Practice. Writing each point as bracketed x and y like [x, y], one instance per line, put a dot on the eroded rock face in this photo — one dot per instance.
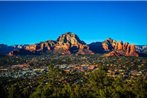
[108, 44]
[31, 47]
[71, 43]
[105, 47]
[131, 51]
[69, 38]
[119, 48]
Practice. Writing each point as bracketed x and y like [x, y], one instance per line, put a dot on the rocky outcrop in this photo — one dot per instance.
[69, 43]
[114, 53]
[119, 48]
[43, 46]
[131, 51]
[31, 47]
[113, 48]
[107, 45]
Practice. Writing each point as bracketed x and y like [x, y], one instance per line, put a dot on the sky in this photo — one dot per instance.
[33, 22]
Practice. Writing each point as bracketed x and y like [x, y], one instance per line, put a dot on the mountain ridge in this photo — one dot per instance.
[70, 43]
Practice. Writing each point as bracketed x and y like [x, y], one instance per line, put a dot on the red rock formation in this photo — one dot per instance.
[31, 47]
[105, 47]
[67, 43]
[113, 53]
[119, 48]
[131, 51]
[71, 43]
[47, 46]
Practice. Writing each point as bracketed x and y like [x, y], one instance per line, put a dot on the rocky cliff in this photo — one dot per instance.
[114, 48]
[43, 46]
[69, 43]
[119, 48]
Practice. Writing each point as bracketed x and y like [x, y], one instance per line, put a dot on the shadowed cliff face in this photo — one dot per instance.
[4, 49]
[97, 47]
[70, 43]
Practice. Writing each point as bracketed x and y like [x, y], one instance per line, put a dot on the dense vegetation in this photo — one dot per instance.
[91, 84]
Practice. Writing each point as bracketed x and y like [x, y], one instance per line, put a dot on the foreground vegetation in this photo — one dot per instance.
[96, 83]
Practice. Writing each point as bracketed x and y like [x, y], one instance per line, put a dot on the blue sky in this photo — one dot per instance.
[32, 22]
